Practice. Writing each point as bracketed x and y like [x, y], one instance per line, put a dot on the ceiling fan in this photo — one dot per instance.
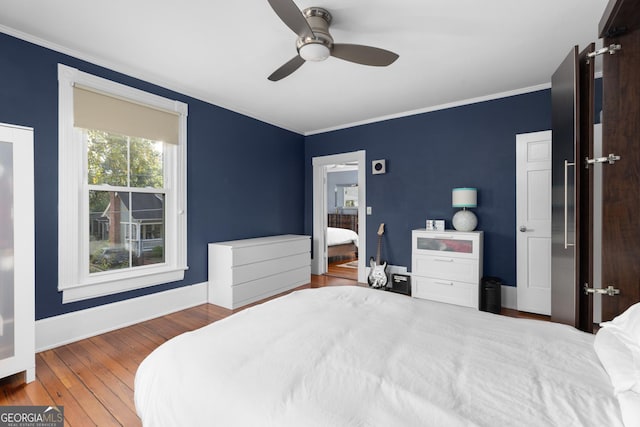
[316, 44]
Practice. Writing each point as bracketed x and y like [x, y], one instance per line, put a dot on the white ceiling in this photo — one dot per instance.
[222, 51]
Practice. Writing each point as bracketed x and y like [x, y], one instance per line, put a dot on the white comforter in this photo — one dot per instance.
[352, 356]
[340, 236]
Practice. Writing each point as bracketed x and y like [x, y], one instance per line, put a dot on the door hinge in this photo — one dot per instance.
[609, 290]
[611, 49]
[611, 159]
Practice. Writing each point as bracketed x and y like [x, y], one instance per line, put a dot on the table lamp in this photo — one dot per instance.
[464, 198]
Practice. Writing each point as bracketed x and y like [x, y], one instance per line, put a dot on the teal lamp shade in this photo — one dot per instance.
[464, 198]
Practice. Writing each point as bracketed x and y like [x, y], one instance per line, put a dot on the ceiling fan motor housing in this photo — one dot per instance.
[317, 48]
[314, 42]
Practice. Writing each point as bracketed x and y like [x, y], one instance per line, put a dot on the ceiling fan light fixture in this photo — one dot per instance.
[315, 43]
[314, 52]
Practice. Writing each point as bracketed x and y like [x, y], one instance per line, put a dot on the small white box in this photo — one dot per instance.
[435, 225]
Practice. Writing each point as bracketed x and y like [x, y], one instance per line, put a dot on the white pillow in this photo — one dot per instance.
[627, 323]
[620, 358]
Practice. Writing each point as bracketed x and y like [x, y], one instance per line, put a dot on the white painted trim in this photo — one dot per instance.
[74, 279]
[434, 108]
[66, 328]
[509, 297]
[318, 262]
[318, 238]
[121, 283]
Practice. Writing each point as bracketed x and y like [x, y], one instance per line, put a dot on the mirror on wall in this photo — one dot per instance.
[350, 197]
[346, 196]
[342, 189]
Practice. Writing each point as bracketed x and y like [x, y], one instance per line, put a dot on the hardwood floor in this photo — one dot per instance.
[522, 314]
[337, 269]
[93, 378]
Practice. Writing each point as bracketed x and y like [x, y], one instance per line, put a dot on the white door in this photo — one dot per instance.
[533, 221]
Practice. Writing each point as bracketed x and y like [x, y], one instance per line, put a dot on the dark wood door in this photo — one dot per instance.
[565, 117]
[621, 136]
[585, 189]
[572, 88]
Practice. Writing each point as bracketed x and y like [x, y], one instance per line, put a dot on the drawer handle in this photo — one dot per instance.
[443, 283]
[443, 259]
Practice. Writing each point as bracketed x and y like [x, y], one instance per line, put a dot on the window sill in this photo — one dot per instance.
[113, 285]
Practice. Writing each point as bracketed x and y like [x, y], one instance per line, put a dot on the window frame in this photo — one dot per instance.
[74, 280]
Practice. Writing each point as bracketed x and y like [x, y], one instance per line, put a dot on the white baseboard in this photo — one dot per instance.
[509, 297]
[66, 328]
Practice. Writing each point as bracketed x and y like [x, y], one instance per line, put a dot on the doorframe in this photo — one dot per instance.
[319, 260]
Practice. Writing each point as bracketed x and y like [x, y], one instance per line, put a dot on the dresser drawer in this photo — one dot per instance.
[448, 291]
[450, 244]
[248, 292]
[270, 250]
[445, 267]
[248, 272]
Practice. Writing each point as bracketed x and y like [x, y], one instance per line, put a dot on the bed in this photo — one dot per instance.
[341, 243]
[354, 356]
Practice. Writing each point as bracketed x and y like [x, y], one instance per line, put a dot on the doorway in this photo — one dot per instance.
[533, 187]
[339, 200]
[342, 220]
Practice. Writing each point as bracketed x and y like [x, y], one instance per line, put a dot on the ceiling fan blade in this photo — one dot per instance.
[288, 68]
[365, 55]
[292, 17]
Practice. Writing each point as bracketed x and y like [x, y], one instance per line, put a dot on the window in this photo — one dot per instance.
[122, 187]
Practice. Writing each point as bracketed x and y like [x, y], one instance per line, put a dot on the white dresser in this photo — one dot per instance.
[446, 266]
[245, 271]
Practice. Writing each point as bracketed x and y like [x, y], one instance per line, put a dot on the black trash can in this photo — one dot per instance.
[491, 294]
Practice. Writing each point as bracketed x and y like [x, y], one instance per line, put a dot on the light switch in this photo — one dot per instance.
[368, 210]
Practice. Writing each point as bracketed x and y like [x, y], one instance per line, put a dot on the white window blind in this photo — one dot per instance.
[95, 110]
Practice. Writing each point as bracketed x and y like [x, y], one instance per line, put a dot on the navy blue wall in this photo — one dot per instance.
[233, 192]
[430, 154]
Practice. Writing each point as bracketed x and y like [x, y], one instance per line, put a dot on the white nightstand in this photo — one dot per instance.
[446, 266]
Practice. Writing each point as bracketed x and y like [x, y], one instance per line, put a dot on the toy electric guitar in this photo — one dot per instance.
[378, 275]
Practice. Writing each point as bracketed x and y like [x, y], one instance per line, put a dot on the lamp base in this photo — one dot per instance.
[464, 220]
